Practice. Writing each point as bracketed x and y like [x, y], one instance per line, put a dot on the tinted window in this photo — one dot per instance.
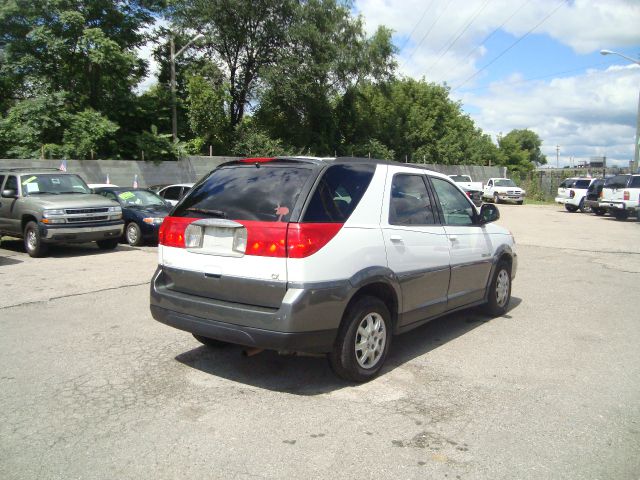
[582, 184]
[1, 180]
[566, 183]
[619, 181]
[12, 183]
[338, 193]
[410, 203]
[635, 182]
[456, 208]
[109, 195]
[266, 193]
[172, 193]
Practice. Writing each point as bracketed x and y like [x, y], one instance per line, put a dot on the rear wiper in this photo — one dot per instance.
[39, 193]
[213, 213]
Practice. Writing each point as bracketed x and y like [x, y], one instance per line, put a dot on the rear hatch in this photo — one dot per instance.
[227, 239]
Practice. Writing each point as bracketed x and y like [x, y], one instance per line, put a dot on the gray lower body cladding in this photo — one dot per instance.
[84, 233]
[306, 320]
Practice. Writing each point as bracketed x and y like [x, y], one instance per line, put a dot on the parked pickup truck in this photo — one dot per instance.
[503, 190]
[473, 189]
[621, 196]
[49, 206]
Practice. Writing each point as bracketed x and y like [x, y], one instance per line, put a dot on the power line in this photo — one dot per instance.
[563, 2]
[416, 25]
[426, 34]
[464, 29]
[525, 3]
[525, 80]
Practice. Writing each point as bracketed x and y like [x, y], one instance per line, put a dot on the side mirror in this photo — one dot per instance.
[9, 193]
[488, 213]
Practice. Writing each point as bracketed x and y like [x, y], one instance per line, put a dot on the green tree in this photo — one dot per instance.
[206, 101]
[88, 134]
[330, 54]
[529, 142]
[246, 36]
[513, 156]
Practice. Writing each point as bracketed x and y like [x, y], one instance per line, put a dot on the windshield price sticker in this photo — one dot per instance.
[126, 195]
[30, 179]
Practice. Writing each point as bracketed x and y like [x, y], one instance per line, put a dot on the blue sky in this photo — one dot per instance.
[553, 80]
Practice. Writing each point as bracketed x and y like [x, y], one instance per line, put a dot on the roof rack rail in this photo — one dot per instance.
[26, 169]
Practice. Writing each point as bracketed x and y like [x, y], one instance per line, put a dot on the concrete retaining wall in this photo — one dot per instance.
[190, 169]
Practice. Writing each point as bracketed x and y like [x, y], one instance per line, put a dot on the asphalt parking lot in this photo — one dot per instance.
[91, 387]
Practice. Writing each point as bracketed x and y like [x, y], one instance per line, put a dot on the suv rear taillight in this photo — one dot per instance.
[572, 193]
[305, 239]
[172, 231]
[625, 195]
[293, 240]
[601, 194]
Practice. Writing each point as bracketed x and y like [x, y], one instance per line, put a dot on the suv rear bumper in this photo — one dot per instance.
[81, 233]
[618, 205]
[282, 328]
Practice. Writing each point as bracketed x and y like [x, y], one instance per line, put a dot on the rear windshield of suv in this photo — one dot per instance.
[635, 182]
[266, 193]
[619, 181]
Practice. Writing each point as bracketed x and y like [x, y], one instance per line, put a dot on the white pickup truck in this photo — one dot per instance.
[472, 189]
[621, 196]
[503, 190]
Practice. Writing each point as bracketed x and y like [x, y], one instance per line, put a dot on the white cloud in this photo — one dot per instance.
[592, 114]
[584, 25]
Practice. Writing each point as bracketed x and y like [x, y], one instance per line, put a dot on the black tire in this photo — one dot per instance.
[133, 234]
[570, 208]
[346, 359]
[520, 202]
[209, 342]
[584, 208]
[108, 244]
[496, 199]
[620, 214]
[498, 300]
[599, 211]
[33, 243]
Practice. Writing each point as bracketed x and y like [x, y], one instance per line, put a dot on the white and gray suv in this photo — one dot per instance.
[328, 256]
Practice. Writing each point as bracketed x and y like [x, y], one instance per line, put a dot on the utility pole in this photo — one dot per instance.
[557, 156]
[172, 60]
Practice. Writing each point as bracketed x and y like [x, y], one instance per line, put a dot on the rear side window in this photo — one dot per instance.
[338, 193]
[410, 203]
[12, 183]
[635, 182]
[172, 193]
[1, 180]
[266, 193]
[582, 184]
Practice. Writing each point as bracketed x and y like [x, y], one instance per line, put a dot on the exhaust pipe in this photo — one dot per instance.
[250, 352]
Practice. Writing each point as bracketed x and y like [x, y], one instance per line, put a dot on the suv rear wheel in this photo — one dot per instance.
[33, 241]
[620, 214]
[570, 208]
[363, 340]
[584, 208]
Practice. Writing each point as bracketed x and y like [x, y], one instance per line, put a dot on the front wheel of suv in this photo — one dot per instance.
[499, 290]
[363, 340]
[33, 243]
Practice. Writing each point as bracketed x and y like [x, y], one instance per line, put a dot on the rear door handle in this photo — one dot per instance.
[395, 238]
[453, 238]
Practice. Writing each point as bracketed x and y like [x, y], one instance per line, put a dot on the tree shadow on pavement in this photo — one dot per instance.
[311, 375]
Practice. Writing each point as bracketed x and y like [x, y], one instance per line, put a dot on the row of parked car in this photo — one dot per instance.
[618, 195]
[48, 206]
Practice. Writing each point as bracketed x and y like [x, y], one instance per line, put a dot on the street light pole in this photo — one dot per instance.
[172, 59]
[636, 153]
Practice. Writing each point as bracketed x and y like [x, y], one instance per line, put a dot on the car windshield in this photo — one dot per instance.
[460, 178]
[139, 198]
[505, 182]
[53, 183]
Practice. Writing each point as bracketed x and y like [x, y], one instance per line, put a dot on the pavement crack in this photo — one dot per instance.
[35, 302]
[585, 250]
